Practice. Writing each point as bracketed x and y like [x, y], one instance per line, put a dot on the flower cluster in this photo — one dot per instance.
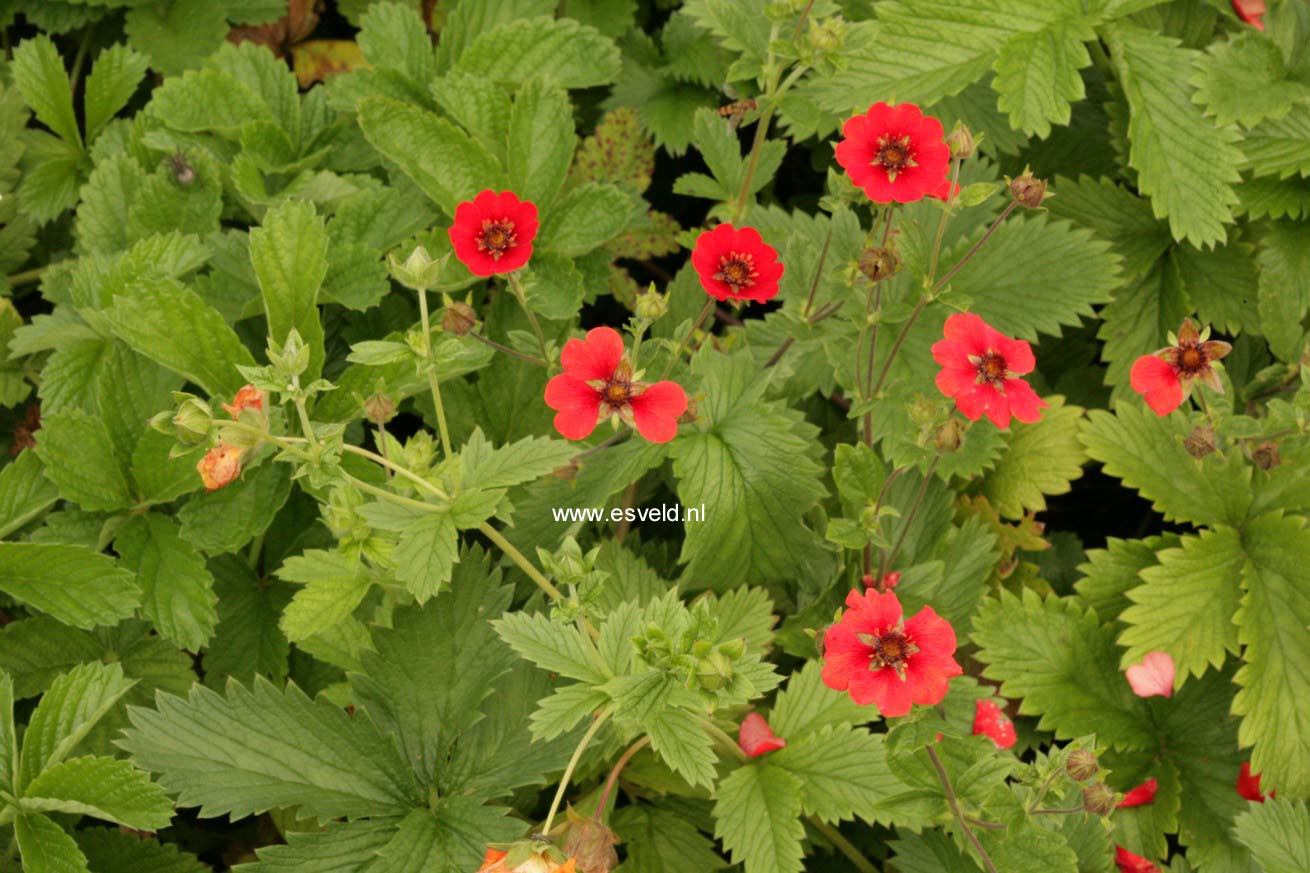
[223, 463]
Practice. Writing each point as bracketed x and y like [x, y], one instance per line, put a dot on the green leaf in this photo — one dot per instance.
[426, 554]
[843, 773]
[178, 36]
[1111, 572]
[1184, 162]
[1278, 834]
[1284, 285]
[341, 847]
[1275, 680]
[658, 840]
[1245, 80]
[1116, 215]
[1041, 459]
[757, 816]
[394, 37]
[113, 80]
[169, 323]
[541, 140]
[25, 492]
[290, 256]
[681, 742]
[227, 519]
[107, 788]
[334, 585]
[46, 847]
[552, 646]
[1064, 667]
[8, 736]
[110, 850]
[467, 21]
[177, 589]
[79, 458]
[39, 73]
[247, 639]
[441, 159]
[562, 50]
[256, 749]
[1278, 146]
[1187, 604]
[1036, 275]
[807, 705]
[1146, 451]
[207, 101]
[929, 852]
[67, 713]
[484, 466]
[1037, 76]
[1030, 848]
[587, 217]
[73, 584]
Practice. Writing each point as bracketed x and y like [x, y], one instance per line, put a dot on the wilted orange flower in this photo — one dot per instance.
[495, 862]
[249, 397]
[220, 465]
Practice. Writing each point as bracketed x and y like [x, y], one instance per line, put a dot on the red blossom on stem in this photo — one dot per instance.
[1142, 795]
[756, 738]
[598, 382]
[981, 368]
[493, 232]
[1248, 784]
[879, 657]
[1165, 378]
[1251, 11]
[990, 721]
[1130, 863]
[736, 264]
[1153, 676]
[896, 154]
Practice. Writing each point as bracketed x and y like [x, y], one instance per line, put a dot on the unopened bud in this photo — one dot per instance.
[652, 305]
[1099, 799]
[961, 141]
[734, 648]
[950, 436]
[1028, 190]
[459, 319]
[1266, 456]
[827, 36]
[879, 263]
[591, 845]
[1200, 442]
[714, 672]
[1082, 765]
[418, 272]
[379, 408]
[190, 424]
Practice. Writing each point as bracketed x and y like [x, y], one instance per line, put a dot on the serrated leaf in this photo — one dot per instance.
[441, 159]
[1041, 459]
[1064, 667]
[247, 639]
[79, 457]
[110, 850]
[226, 519]
[290, 256]
[1116, 215]
[680, 741]
[67, 713]
[106, 788]
[1245, 80]
[1280, 146]
[562, 50]
[557, 648]
[73, 584]
[39, 73]
[1278, 834]
[757, 816]
[1185, 163]
[177, 37]
[25, 492]
[1187, 602]
[255, 749]
[1110, 573]
[541, 140]
[843, 773]
[113, 80]
[1284, 285]
[341, 847]
[177, 590]
[658, 840]
[1275, 679]
[1037, 76]
[587, 217]
[807, 705]
[334, 584]
[426, 554]
[46, 847]
[393, 36]
[207, 100]
[485, 466]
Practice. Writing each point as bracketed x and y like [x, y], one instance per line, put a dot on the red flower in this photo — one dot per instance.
[220, 465]
[597, 383]
[1248, 784]
[1141, 795]
[989, 721]
[1153, 676]
[249, 397]
[895, 153]
[493, 232]
[880, 658]
[981, 368]
[736, 264]
[1130, 863]
[1251, 11]
[1165, 377]
[756, 737]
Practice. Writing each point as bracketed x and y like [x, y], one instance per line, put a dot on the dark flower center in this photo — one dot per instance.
[497, 237]
[737, 270]
[891, 648]
[894, 155]
[1191, 359]
[992, 368]
[616, 392]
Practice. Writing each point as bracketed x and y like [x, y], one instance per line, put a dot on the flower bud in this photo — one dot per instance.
[950, 436]
[190, 424]
[1266, 456]
[379, 408]
[1200, 442]
[714, 672]
[961, 141]
[879, 263]
[459, 319]
[1099, 799]
[591, 845]
[1082, 765]
[733, 649]
[1028, 190]
[418, 272]
[652, 305]
[826, 36]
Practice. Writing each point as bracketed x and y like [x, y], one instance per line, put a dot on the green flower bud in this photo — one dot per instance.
[418, 272]
[714, 672]
[1082, 765]
[1099, 799]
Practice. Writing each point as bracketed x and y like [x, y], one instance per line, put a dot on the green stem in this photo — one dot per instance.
[945, 219]
[256, 546]
[434, 384]
[845, 846]
[722, 736]
[941, 283]
[700, 319]
[306, 425]
[522, 297]
[613, 779]
[514, 353]
[23, 278]
[1072, 811]
[596, 724]
[953, 802]
[896, 346]
[523, 563]
[391, 496]
[886, 562]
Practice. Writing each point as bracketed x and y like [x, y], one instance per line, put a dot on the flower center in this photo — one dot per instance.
[891, 648]
[737, 270]
[497, 237]
[1191, 359]
[616, 392]
[991, 367]
[894, 155]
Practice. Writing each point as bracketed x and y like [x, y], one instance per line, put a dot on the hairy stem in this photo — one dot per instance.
[522, 296]
[596, 724]
[434, 384]
[613, 779]
[941, 283]
[514, 353]
[700, 319]
[954, 803]
[523, 563]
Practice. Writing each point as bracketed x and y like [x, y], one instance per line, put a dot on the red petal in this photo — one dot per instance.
[893, 696]
[578, 405]
[990, 721]
[1141, 795]
[1153, 676]
[1154, 379]
[1248, 785]
[1023, 400]
[655, 411]
[756, 737]
[595, 357]
[871, 611]
[1018, 355]
[1130, 863]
